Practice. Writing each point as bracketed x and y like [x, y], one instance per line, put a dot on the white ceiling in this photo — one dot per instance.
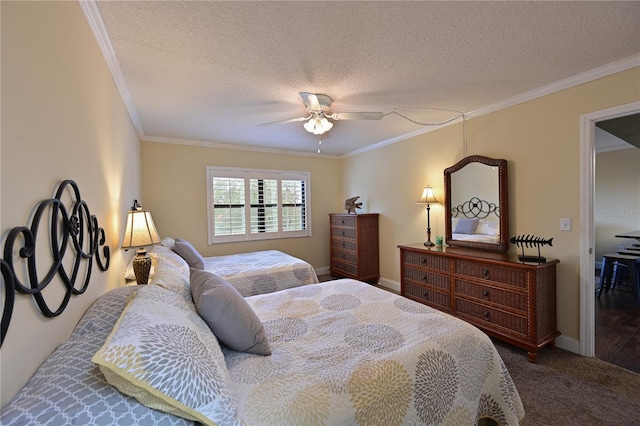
[210, 72]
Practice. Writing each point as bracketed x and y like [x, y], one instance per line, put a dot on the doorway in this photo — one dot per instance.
[587, 189]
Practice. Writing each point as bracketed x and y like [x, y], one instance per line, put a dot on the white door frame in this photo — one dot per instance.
[587, 225]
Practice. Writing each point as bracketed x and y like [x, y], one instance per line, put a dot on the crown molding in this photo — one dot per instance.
[594, 74]
[585, 77]
[92, 15]
[237, 147]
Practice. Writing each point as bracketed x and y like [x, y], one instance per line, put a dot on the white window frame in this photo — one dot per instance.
[247, 174]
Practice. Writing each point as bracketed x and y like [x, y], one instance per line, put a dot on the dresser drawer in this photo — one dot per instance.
[423, 260]
[505, 298]
[345, 256]
[349, 233]
[342, 244]
[338, 266]
[345, 221]
[500, 274]
[487, 315]
[426, 277]
[427, 295]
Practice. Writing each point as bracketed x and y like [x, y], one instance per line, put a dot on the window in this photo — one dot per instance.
[250, 204]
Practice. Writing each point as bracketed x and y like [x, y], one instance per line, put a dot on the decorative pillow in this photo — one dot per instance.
[188, 253]
[164, 355]
[227, 313]
[129, 274]
[466, 226]
[487, 227]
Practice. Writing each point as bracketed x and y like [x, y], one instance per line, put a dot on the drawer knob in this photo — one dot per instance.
[485, 293]
[485, 273]
[486, 314]
[425, 295]
[344, 245]
[424, 278]
[423, 260]
[343, 233]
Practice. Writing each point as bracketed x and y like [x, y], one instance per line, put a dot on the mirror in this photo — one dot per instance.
[477, 212]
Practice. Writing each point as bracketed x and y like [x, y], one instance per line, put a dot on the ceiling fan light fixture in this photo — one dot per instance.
[318, 124]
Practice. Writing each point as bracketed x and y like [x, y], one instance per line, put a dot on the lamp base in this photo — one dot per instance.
[429, 244]
[142, 266]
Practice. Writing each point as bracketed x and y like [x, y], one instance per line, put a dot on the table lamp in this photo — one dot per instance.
[139, 232]
[428, 198]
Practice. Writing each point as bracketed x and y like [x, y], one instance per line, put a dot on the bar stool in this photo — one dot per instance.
[606, 273]
[619, 274]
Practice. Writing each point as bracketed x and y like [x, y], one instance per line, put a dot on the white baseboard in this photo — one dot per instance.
[567, 343]
[323, 271]
[389, 284]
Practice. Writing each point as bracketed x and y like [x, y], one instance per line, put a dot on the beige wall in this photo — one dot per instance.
[541, 141]
[174, 187]
[617, 199]
[62, 118]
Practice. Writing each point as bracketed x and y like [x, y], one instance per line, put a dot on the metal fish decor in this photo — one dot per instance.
[531, 241]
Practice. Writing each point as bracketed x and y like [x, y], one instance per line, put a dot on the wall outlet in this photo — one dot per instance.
[565, 224]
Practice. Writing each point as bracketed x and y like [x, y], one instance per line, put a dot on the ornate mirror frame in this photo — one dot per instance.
[501, 210]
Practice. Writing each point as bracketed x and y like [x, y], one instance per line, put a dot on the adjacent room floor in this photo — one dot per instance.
[618, 328]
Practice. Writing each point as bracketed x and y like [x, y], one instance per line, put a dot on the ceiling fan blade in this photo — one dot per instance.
[310, 100]
[291, 120]
[356, 116]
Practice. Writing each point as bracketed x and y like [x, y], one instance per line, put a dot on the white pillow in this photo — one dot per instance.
[488, 227]
[168, 242]
[172, 271]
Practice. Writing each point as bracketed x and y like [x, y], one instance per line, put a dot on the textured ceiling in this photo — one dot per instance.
[211, 72]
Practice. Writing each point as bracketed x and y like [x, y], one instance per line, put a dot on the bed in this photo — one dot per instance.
[250, 273]
[261, 271]
[341, 352]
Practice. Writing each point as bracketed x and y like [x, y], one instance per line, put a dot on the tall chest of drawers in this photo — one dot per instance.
[354, 246]
[506, 298]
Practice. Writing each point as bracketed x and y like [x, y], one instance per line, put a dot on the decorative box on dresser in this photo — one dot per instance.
[506, 298]
[354, 246]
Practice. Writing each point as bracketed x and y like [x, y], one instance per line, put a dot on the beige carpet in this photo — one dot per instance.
[563, 388]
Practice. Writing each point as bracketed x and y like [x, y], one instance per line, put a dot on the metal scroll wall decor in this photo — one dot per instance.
[73, 232]
[475, 207]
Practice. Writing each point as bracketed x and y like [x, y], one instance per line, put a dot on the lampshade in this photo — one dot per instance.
[427, 196]
[140, 230]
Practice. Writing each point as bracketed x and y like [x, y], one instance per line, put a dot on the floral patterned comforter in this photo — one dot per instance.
[345, 352]
[261, 272]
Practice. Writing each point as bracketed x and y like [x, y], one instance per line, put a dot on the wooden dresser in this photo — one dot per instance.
[354, 246]
[504, 297]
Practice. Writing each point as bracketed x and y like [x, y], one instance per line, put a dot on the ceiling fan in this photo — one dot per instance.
[318, 107]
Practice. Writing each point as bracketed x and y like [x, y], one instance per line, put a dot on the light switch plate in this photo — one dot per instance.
[565, 224]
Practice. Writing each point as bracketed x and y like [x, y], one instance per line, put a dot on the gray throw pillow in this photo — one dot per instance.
[188, 253]
[227, 314]
[466, 226]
